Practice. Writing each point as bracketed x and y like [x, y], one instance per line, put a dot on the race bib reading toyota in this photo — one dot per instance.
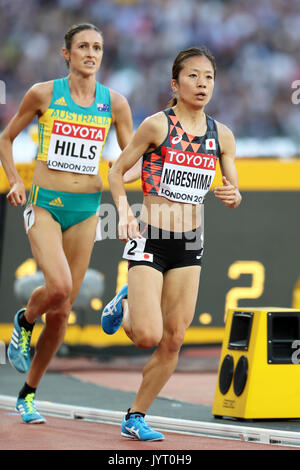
[186, 176]
[75, 148]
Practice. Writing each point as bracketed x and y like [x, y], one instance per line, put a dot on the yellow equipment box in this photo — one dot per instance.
[259, 372]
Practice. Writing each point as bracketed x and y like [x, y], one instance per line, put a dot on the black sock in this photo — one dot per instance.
[134, 413]
[24, 323]
[26, 390]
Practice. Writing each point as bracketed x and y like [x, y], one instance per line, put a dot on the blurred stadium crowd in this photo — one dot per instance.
[256, 45]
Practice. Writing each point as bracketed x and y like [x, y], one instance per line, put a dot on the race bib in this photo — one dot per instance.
[186, 176]
[134, 250]
[75, 147]
[98, 235]
[28, 217]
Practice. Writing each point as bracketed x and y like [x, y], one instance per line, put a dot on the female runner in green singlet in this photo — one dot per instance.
[74, 117]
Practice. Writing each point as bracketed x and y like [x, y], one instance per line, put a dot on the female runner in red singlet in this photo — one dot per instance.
[180, 148]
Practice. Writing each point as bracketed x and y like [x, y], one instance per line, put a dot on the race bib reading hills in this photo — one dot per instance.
[187, 177]
[75, 148]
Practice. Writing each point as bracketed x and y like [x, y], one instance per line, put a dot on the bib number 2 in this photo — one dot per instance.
[135, 250]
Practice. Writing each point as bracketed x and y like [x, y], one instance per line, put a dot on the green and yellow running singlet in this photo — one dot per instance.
[71, 137]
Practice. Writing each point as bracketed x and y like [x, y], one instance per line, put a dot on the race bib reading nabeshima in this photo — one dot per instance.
[186, 176]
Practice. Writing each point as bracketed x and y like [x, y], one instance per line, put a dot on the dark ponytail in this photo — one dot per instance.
[172, 102]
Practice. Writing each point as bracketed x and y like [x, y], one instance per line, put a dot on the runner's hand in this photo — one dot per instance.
[128, 229]
[17, 195]
[228, 194]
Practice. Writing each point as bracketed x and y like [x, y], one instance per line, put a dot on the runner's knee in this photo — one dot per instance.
[57, 318]
[145, 340]
[60, 292]
[174, 340]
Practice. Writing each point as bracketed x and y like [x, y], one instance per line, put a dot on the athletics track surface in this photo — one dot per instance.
[110, 385]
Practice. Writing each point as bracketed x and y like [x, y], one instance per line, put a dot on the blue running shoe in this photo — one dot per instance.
[19, 347]
[112, 314]
[136, 428]
[27, 410]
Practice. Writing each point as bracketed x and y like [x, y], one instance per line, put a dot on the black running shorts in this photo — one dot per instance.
[169, 250]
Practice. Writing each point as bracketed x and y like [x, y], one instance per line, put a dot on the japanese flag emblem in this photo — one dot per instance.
[210, 144]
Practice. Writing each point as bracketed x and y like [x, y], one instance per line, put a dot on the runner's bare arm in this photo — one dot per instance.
[228, 193]
[32, 104]
[147, 135]
[122, 120]
[134, 173]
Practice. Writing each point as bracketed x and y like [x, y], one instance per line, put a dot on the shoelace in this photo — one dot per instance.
[29, 402]
[24, 341]
[142, 422]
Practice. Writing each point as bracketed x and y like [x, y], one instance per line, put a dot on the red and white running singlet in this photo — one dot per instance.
[183, 167]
